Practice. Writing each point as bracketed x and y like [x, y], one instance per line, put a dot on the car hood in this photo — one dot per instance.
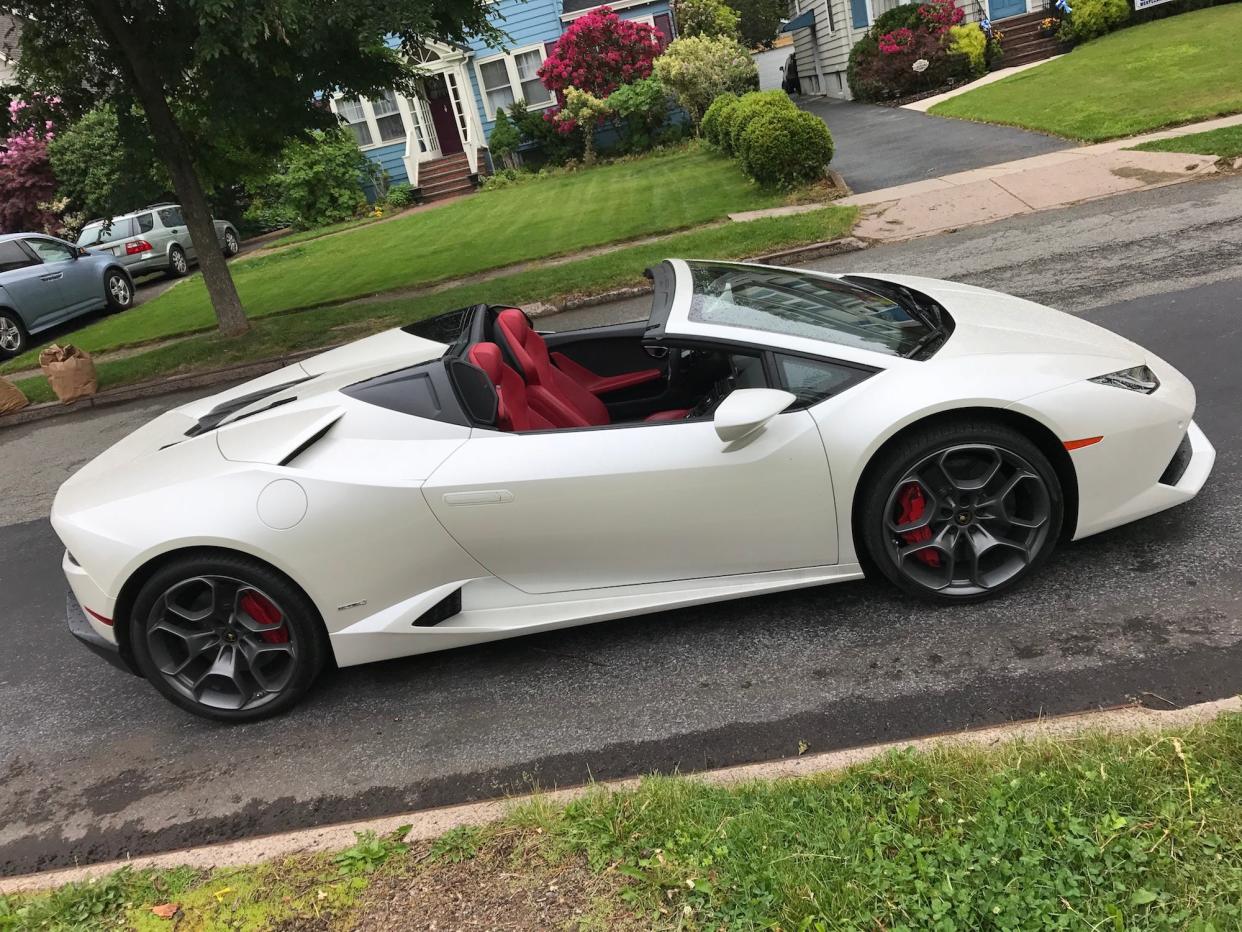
[989, 323]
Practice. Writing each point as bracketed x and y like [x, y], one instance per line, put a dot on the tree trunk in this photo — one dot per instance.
[127, 38]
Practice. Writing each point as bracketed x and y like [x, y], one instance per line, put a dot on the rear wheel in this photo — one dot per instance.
[226, 637]
[958, 512]
[118, 290]
[13, 336]
[231, 246]
[178, 264]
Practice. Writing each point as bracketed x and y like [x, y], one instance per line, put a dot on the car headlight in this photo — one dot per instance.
[1136, 379]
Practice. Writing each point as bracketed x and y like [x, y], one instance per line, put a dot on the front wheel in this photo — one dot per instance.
[118, 290]
[226, 637]
[13, 336]
[178, 264]
[231, 246]
[959, 512]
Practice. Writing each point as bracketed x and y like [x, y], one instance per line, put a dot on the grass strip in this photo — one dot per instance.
[1163, 73]
[1133, 832]
[1225, 142]
[274, 336]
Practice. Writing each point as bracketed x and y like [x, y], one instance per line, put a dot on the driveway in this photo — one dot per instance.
[879, 147]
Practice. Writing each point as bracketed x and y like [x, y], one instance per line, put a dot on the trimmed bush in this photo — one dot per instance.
[400, 195]
[1093, 18]
[785, 147]
[713, 125]
[750, 107]
[971, 42]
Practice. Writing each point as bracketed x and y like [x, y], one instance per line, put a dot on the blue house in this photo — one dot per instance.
[436, 140]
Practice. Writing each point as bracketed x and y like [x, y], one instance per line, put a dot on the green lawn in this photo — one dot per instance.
[1162, 73]
[286, 333]
[560, 214]
[1089, 832]
[1225, 142]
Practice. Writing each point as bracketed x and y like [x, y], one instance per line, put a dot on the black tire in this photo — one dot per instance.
[178, 264]
[14, 340]
[231, 244]
[118, 290]
[960, 544]
[176, 664]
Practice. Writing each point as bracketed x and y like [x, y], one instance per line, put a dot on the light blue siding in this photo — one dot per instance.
[536, 22]
[390, 159]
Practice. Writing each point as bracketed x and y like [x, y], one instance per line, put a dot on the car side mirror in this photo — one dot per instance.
[82, 251]
[746, 410]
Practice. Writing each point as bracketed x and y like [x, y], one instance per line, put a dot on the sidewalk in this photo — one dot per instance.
[1043, 182]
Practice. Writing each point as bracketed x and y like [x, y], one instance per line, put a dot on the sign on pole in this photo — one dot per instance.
[1144, 4]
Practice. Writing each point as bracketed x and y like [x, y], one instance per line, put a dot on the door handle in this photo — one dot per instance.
[51, 278]
[487, 497]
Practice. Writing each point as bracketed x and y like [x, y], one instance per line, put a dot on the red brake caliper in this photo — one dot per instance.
[913, 504]
[265, 613]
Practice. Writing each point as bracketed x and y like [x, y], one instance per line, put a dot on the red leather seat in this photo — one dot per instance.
[513, 411]
[553, 393]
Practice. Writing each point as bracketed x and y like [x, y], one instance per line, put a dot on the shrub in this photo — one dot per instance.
[881, 63]
[972, 42]
[1093, 18]
[712, 125]
[749, 108]
[697, 70]
[706, 18]
[598, 53]
[27, 185]
[400, 195]
[785, 147]
[556, 147]
[643, 105]
[316, 182]
[504, 139]
[586, 110]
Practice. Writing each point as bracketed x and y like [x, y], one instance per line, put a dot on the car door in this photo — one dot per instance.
[175, 230]
[31, 286]
[80, 287]
[624, 505]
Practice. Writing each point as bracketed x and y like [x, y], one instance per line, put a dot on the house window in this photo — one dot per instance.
[350, 110]
[513, 77]
[388, 117]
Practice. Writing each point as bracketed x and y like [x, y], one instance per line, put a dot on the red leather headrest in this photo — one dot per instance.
[488, 358]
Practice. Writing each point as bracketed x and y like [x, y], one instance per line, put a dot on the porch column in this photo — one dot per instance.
[413, 132]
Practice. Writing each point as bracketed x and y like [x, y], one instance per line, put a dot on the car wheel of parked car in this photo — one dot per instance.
[231, 246]
[13, 336]
[225, 637]
[178, 264]
[118, 290]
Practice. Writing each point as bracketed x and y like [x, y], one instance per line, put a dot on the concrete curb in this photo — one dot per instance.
[242, 373]
[432, 823]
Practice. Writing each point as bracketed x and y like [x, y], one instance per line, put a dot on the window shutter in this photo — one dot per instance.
[858, 10]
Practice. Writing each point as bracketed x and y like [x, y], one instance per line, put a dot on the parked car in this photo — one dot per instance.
[791, 83]
[154, 239]
[45, 281]
[467, 478]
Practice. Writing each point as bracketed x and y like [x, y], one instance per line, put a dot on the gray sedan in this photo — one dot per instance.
[45, 281]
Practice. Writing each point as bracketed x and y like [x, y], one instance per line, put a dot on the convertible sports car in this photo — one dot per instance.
[467, 478]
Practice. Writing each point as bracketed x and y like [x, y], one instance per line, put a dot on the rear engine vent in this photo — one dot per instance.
[443, 610]
[1173, 473]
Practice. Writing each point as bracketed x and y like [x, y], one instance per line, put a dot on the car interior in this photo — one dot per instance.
[597, 376]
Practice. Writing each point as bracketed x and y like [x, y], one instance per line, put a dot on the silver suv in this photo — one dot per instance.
[154, 239]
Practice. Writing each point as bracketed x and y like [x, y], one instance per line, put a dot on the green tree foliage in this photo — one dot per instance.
[102, 172]
[697, 70]
[504, 140]
[315, 182]
[248, 74]
[706, 18]
[760, 20]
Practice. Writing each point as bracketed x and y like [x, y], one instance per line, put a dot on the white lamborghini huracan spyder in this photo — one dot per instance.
[468, 478]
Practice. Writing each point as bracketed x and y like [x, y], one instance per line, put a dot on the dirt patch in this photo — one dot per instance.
[1147, 175]
[507, 886]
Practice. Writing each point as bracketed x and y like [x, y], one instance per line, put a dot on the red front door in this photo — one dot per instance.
[442, 116]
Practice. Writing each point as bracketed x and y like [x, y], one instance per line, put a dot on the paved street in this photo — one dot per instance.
[93, 764]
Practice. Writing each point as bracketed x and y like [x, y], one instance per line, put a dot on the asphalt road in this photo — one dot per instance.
[93, 764]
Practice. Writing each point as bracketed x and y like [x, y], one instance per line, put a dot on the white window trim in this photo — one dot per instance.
[368, 113]
[515, 81]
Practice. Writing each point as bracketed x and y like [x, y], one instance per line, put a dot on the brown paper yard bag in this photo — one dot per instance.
[70, 372]
[11, 397]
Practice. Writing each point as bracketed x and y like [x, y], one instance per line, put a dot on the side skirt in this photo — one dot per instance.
[492, 609]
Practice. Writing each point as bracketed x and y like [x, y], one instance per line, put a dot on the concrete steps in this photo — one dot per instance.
[445, 178]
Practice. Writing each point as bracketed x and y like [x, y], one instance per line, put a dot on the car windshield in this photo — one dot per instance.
[103, 232]
[778, 301]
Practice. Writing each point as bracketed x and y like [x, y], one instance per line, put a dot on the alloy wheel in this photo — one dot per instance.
[221, 642]
[10, 335]
[230, 244]
[179, 262]
[118, 287]
[967, 518]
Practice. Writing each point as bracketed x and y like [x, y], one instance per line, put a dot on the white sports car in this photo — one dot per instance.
[468, 478]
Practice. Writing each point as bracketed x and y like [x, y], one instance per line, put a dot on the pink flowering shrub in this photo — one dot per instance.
[27, 185]
[881, 65]
[939, 15]
[896, 42]
[599, 53]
